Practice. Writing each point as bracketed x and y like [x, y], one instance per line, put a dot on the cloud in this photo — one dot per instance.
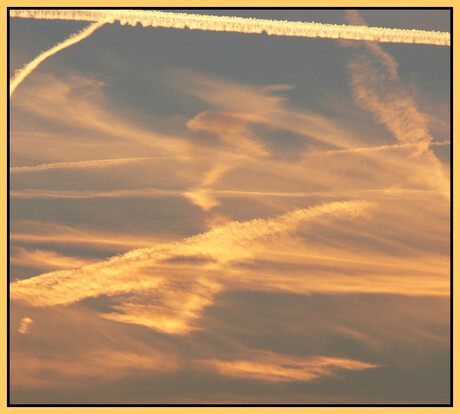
[46, 259]
[203, 198]
[72, 347]
[149, 287]
[329, 292]
[25, 325]
[205, 171]
[30, 231]
[144, 270]
[78, 102]
[271, 367]
[378, 89]
[91, 369]
[172, 307]
[231, 128]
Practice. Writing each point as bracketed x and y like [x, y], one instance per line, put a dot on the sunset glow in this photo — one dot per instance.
[253, 209]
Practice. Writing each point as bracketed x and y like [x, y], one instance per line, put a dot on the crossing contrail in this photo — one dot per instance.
[21, 74]
[242, 25]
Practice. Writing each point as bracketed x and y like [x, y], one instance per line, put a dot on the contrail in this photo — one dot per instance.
[21, 74]
[223, 245]
[136, 192]
[242, 25]
[76, 164]
[379, 148]
[377, 88]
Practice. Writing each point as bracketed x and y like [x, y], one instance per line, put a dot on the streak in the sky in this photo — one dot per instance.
[242, 25]
[21, 74]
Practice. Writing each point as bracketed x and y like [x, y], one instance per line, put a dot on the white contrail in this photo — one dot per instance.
[21, 74]
[242, 25]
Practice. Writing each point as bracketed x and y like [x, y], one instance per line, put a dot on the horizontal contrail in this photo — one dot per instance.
[136, 192]
[21, 74]
[76, 164]
[379, 148]
[242, 25]
[152, 192]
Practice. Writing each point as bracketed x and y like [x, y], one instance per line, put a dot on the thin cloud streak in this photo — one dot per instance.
[21, 74]
[29, 231]
[242, 25]
[77, 164]
[379, 148]
[205, 197]
[142, 192]
[91, 367]
[271, 367]
[47, 259]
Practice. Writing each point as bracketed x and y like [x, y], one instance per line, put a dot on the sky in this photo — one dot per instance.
[204, 217]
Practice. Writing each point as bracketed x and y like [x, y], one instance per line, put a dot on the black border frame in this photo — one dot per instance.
[9, 404]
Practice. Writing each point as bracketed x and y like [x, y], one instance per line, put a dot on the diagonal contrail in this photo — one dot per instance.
[21, 74]
[242, 25]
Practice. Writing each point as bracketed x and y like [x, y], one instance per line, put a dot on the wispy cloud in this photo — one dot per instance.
[378, 89]
[133, 272]
[29, 231]
[26, 322]
[79, 102]
[99, 353]
[271, 367]
[46, 259]
[266, 286]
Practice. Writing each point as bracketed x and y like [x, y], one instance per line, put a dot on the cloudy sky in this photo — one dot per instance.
[212, 217]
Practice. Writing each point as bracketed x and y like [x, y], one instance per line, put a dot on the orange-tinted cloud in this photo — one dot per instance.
[25, 325]
[72, 346]
[378, 89]
[271, 367]
[133, 271]
[46, 259]
[29, 231]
